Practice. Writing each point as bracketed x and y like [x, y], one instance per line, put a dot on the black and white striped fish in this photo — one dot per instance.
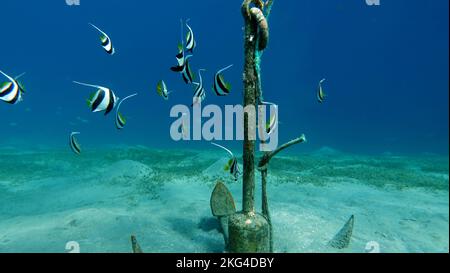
[74, 145]
[11, 91]
[188, 76]
[106, 41]
[120, 119]
[272, 124]
[199, 93]
[103, 99]
[180, 56]
[181, 59]
[191, 43]
[221, 87]
[183, 65]
[162, 90]
[320, 93]
[232, 166]
[184, 68]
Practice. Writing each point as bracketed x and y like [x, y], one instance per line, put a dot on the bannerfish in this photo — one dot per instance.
[181, 59]
[187, 74]
[320, 94]
[221, 87]
[162, 90]
[183, 65]
[185, 70]
[11, 91]
[20, 83]
[199, 93]
[74, 143]
[190, 39]
[120, 119]
[106, 41]
[180, 56]
[271, 125]
[103, 99]
[232, 165]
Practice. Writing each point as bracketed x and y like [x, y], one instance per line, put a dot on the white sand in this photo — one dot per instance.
[101, 214]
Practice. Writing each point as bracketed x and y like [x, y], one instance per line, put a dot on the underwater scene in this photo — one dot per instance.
[279, 126]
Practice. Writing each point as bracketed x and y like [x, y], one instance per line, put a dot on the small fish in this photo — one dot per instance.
[221, 87]
[106, 41]
[232, 166]
[320, 94]
[181, 59]
[271, 125]
[199, 93]
[190, 39]
[20, 83]
[11, 92]
[74, 143]
[103, 99]
[180, 56]
[161, 88]
[184, 68]
[120, 119]
[183, 65]
[188, 76]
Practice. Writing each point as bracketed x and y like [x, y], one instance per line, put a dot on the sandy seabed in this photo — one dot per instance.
[48, 198]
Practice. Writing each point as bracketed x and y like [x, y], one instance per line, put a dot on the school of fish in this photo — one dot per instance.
[105, 100]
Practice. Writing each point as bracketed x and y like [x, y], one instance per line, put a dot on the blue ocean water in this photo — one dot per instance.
[377, 147]
[386, 68]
